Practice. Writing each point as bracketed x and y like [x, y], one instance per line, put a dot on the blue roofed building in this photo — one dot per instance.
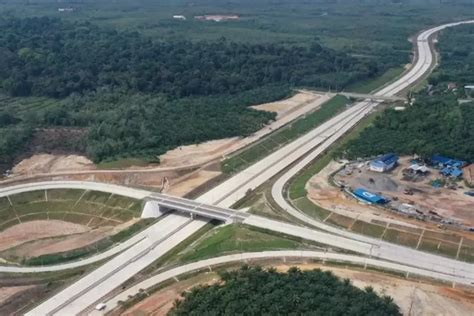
[384, 163]
[451, 172]
[447, 162]
[366, 196]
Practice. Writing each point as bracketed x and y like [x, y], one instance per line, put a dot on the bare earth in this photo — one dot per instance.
[44, 163]
[162, 301]
[29, 231]
[7, 292]
[51, 244]
[321, 192]
[190, 182]
[283, 107]
[413, 298]
[60, 244]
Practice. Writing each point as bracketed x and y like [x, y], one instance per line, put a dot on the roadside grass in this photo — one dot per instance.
[370, 85]
[64, 194]
[78, 206]
[4, 204]
[237, 238]
[402, 238]
[283, 136]
[27, 197]
[340, 220]
[7, 214]
[440, 247]
[311, 209]
[466, 251]
[296, 188]
[368, 229]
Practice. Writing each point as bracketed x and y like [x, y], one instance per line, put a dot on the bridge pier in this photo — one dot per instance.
[152, 209]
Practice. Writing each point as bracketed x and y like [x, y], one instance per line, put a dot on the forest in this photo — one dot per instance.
[256, 291]
[50, 57]
[437, 123]
[138, 97]
[434, 125]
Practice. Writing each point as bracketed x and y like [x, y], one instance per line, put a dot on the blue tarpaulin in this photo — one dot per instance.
[369, 196]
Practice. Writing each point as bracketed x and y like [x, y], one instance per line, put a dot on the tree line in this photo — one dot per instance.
[255, 291]
[50, 57]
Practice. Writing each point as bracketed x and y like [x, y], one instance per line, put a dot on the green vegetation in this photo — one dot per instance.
[237, 238]
[432, 125]
[135, 97]
[91, 208]
[436, 123]
[311, 209]
[373, 84]
[284, 135]
[254, 291]
[57, 63]
[149, 73]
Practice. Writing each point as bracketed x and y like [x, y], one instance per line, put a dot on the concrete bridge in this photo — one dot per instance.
[372, 97]
[157, 204]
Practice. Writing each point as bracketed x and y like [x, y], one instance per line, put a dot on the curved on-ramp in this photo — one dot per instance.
[243, 257]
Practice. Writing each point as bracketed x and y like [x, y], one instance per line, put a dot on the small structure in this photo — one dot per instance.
[217, 18]
[369, 197]
[66, 9]
[384, 163]
[419, 169]
[442, 161]
[179, 17]
[452, 172]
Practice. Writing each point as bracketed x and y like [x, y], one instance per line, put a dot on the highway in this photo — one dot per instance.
[232, 190]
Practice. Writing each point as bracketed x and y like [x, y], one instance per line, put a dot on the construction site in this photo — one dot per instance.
[410, 187]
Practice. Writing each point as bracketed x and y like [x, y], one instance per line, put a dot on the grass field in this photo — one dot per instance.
[283, 136]
[311, 209]
[236, 238]
[90, 208]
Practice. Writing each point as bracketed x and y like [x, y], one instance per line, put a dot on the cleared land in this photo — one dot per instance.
[451, 204]
[329, 204]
